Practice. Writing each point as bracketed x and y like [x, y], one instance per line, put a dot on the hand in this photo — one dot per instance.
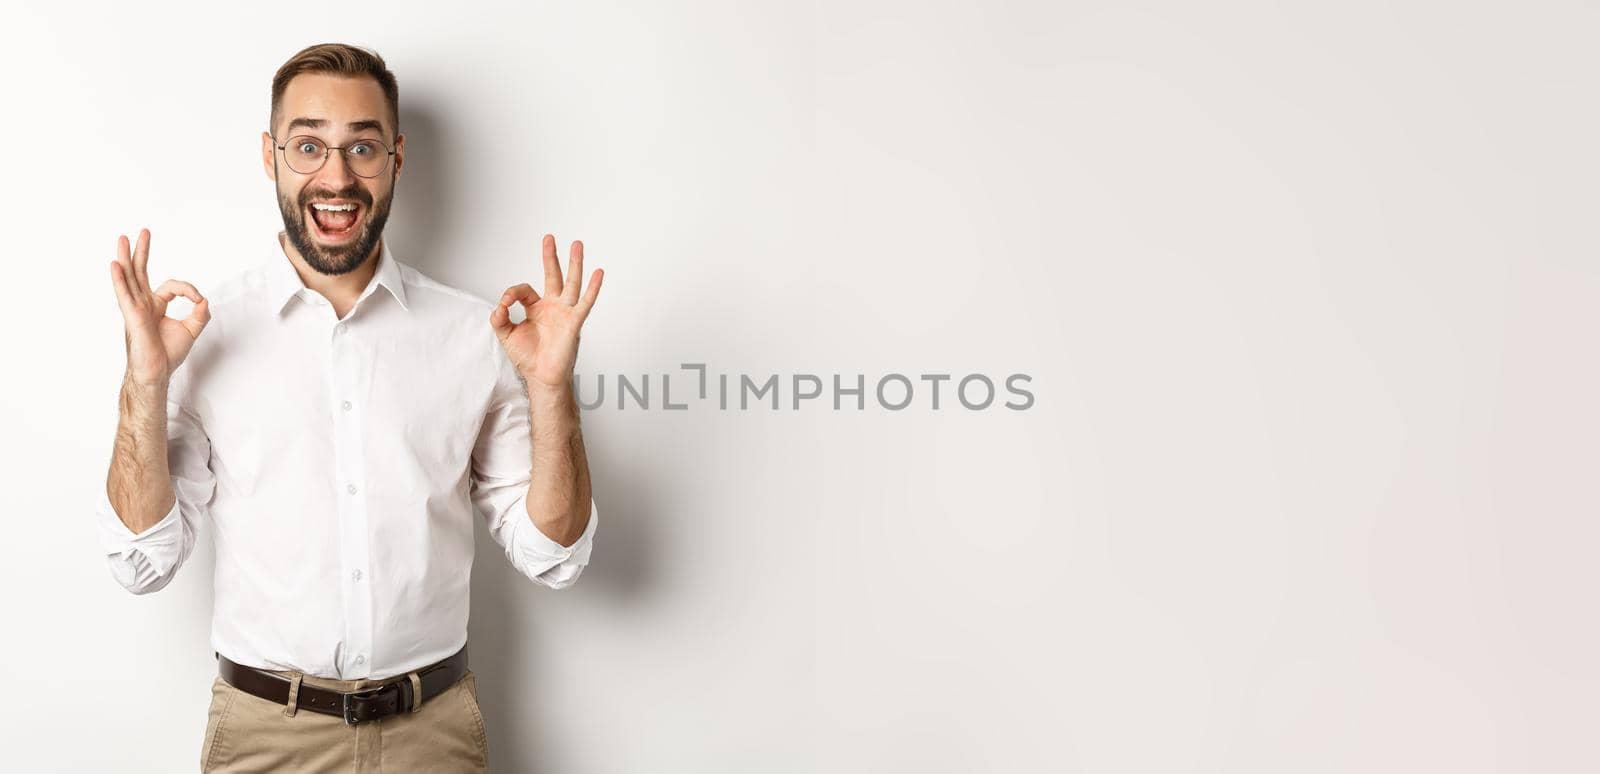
[157, 344]
[544, 346]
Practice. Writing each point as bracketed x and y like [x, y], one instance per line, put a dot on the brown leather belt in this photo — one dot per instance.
[390, 698]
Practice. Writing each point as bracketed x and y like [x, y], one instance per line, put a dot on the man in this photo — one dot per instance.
[335, 417]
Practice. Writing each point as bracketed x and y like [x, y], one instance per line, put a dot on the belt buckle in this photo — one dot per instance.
[349, 710]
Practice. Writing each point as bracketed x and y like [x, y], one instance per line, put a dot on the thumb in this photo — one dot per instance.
[198, 317]
[500, 320]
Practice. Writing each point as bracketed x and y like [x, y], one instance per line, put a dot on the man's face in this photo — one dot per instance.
[338, 111]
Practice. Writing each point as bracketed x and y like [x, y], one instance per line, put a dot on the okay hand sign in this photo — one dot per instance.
[544, 346]
[156, 343]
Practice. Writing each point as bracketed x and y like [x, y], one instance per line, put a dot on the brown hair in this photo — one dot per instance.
[339, 59]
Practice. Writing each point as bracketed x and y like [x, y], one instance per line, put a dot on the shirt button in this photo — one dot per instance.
[351, 488]
[339, 328]
[346, 405]
[355, 575]
[361, 660]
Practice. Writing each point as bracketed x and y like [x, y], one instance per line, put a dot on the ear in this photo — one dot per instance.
[399, 154]
[267, 151]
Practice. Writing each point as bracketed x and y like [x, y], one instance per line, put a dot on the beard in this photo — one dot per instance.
[337, 259]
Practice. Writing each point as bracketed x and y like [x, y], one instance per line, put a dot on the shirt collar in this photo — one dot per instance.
[284, 283]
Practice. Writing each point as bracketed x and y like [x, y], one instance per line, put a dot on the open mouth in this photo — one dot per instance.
[335, 220]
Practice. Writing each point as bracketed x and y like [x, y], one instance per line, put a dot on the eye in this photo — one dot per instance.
[361, 149]
[308, 148]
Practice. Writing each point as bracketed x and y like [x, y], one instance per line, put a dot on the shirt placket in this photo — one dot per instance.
[349, 366]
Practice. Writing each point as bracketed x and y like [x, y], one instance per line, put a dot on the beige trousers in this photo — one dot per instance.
[248, 733]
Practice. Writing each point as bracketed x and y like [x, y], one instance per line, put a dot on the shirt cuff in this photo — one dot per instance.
[539, 553]
[160, 545]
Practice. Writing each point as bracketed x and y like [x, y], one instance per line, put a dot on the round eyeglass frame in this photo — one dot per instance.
[327, 150]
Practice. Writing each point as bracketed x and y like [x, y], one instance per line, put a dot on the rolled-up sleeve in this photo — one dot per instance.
[148, 561]
[501, 472]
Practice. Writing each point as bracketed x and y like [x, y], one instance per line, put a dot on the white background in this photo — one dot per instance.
[1307, 295]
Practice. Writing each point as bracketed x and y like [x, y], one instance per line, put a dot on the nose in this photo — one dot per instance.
[335, 172]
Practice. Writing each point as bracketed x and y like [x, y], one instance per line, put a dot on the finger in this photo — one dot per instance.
[552, 267]
[523, 293]
[141, 260]
[125, 263]
[119, 285]
[172, 289]
[128, 296]
[574, 281]
[591, 294]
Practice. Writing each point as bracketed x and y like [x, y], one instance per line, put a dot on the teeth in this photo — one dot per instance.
[334, 207]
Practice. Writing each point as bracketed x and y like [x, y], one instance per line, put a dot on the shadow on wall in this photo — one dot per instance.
[519, 715]
[425, 192]
[511, 672]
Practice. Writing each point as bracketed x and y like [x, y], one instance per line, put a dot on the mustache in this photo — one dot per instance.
[352, 193]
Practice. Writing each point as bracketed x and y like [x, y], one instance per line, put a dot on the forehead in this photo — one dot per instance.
[337, 99]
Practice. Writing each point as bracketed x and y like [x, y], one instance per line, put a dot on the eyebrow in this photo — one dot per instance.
[318, 123]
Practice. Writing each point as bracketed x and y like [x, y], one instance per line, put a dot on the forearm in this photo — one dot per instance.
[558, 491]
[139, 484]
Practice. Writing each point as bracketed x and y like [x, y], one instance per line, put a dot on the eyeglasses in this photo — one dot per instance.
[306, 154]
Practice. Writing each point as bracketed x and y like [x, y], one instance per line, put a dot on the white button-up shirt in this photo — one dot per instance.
[338, 464]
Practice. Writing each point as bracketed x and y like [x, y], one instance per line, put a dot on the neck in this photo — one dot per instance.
[341, 290]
